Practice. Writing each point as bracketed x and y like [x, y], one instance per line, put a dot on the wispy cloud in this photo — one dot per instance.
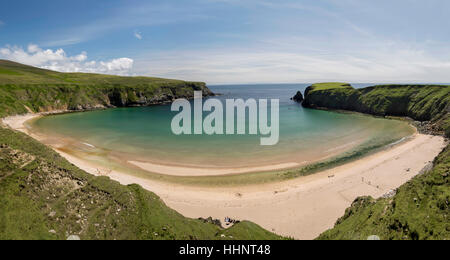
[398, 63]
[63, 42]
[144, 15]
[58, 60]
[319, 11]
[235, 41]
[138, 35]
[309, 41]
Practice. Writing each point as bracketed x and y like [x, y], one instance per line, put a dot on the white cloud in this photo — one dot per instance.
[396, 63]
[33, 48]
[138, 35]
[58, 60]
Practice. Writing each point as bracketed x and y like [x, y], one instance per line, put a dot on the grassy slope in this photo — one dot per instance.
[420, 208]
[16, 73]
[40, 191]
[330, 85]
[44, 90]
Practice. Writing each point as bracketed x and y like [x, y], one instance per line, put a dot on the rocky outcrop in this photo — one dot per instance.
[342, 99]
[298, 97]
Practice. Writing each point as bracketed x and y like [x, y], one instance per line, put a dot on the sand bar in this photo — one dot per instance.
[301, 208]
[188, 171]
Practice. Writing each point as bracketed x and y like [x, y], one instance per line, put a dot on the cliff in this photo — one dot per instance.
[419, 102]
[420, 208]
[24, 88]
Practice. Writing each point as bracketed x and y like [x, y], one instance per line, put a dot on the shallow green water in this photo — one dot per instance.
[305, 135]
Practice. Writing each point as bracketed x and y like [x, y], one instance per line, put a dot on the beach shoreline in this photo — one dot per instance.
[301, 208]
[205, 172]
[299, 163]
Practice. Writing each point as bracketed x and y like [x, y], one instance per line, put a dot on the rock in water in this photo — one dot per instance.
[298, 97]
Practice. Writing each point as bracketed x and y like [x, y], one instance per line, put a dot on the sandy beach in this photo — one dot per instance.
[301, 208]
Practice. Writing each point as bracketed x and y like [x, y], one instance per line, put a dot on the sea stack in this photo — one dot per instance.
[298, 97]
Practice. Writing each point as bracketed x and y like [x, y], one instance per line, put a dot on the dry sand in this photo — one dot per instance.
[301, 208]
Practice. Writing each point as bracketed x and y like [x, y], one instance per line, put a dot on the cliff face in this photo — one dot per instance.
[24, 88]
[39, 98]
[142, 96]
[419, 102]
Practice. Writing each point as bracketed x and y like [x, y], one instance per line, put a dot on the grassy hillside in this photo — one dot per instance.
[24, 88]
[419, 102]
[328, 86]
[420, 208]
[43, 196]
[16, 73]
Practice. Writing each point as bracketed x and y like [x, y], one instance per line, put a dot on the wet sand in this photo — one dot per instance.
[189, 171]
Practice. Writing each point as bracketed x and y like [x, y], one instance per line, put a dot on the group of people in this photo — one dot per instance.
[229, 221]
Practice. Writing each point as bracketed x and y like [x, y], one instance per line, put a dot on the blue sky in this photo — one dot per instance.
[230, 41]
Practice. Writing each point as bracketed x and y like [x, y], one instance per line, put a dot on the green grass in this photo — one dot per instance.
[16, 73]
[40, 191]
[330, 85]
[9, 72]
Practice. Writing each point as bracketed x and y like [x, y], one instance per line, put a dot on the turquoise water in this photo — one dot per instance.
[145, 134]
